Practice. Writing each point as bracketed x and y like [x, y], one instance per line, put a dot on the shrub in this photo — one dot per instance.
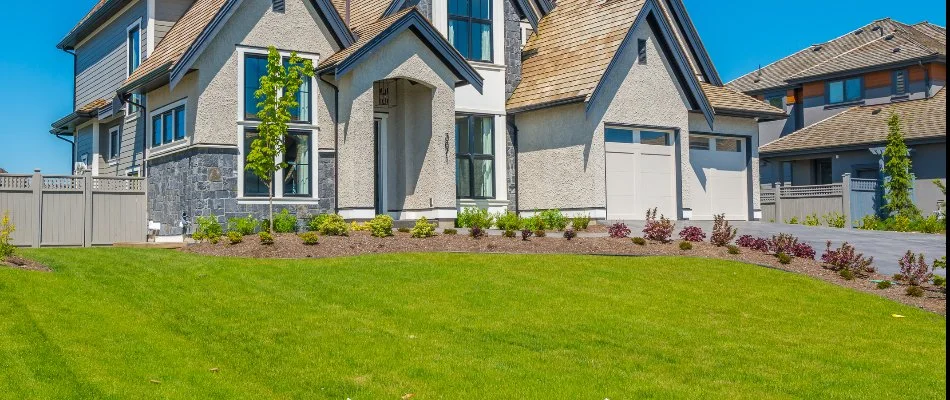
[381, 226]
[450, 231]
[658, 230]
[930, 224]
[914, 268]
[423, 229]
[540, 233]
[403, 229]
[581, 222]
[783, 243]
[793, 221]
[845, 258]
[533, 223]
[639, 241]
[692, 234]
[476, 232]
[526, 233]
[265, 224]
[835, 220]
[570, 233]
[684, 245]
[884, 285]
[472, 217]
[244, 226]
[870, 223]
[508, 221]
[898, 277]
[509, 234]
[553, 219]
[914, 291]
[309, 238]
[266, 238]
[235, 237]
[811, 220]
[784, 258]
[208, 229]
[940, 263]
[846, 274]
[6, 236]
[722, 233]
[803, 250]
[285, 222]
[898, 223]
[939, 281]
[733, 249]
[328, 225]
[618, 230]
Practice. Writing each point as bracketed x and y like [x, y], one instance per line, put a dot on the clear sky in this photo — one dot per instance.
[36, 78]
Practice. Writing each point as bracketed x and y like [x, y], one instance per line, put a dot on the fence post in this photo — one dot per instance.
[87, 209]
[846, 199]
[37, 184]
[778, 202]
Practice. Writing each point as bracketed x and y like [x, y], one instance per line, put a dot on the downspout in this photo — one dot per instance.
[336, 144]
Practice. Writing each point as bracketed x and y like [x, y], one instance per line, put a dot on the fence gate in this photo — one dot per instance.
[73, 210]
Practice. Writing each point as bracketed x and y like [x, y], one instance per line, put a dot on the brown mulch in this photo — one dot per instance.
[23, 263]
[290, 246]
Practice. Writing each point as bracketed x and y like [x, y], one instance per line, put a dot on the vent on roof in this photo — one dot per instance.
[896, 50]
[859, 31]
[816, 47]
[278, 6]
[876, 111]
[878, 28]
[889, 37]
[528, 54]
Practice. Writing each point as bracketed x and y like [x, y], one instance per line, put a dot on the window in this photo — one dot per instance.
[654, 138]
[698, 142]
[900, 82]
[133, 42]
[168, 126]
[641, 51]
[729, 145]
[617, 135]
[777, 101]
[253, 185]
[845, 90]
[301, 113]
[822, 170]
[255, 66]
[113, 144]
[475, 157]
[297, 156]
[470, 28]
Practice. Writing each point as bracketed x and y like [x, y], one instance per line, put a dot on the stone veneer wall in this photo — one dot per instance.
[512, 79]
[203, 181]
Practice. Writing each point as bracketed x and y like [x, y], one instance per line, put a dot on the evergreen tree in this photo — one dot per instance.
[897, 169]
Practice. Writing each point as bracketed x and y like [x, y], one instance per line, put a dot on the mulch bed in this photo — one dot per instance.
[290, 246]
[23, 263]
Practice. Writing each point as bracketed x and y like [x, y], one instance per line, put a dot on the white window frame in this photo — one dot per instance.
[113, 160]
[175, 143]
[128, 54]
[244, 124]
[712, 143]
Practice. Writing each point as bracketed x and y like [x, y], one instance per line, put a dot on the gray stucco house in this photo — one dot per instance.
[838, 96]
[417, 108]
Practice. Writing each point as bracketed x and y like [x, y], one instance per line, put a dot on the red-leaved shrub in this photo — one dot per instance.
[692, 234]
[915, 269]
[753, 243]
[803, 250]
[658, 230]
[783, 243]
[845, 258]
[722, 232]
[618, 230]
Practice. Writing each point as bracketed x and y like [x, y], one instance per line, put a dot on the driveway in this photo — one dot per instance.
[885, 247]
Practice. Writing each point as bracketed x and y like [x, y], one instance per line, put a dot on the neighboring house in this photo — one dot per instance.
[838, 96]
[417, 108]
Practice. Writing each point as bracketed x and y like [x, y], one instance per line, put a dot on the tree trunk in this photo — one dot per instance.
[270, 207]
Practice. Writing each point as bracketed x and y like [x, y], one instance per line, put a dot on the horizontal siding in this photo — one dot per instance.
[84, 144]
[130, 146]
[167, 13]
[101, 60]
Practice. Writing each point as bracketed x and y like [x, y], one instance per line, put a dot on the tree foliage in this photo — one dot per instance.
[897, 167]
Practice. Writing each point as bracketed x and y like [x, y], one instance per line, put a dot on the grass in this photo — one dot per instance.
[109, 322]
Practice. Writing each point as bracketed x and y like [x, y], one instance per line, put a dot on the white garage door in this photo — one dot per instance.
[721, 177]
[640, 173]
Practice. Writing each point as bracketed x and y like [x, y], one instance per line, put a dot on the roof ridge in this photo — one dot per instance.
[837, 56]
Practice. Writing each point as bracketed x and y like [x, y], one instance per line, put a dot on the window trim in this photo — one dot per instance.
[159, 113]
[743, 146]
[844, 90]
[470, 19]
[114, 152]
[470, 117]
[278, 186]
[243, 52]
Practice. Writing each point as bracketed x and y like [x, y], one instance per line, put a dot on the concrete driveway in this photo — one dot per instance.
[885, 247]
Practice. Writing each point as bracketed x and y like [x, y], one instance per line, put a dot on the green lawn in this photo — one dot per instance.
[110, 321]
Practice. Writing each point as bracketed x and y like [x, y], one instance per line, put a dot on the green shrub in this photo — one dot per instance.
[733, 249]
[244, 226]
[381, 226]
[835, 220]
[474, 217]
[235, 237]
[450, 231]
[553, 219]
[884, 285]
[581, 222]
[639, 241]
[6, 236]
[846, 274]
[423, 229]
[508, 221]
[684, 245]
[328, 225]
[310, 238]
[533, 223]
[266, 238]
[285, 222]
[265, 224]
[793, 221]
[930, 224]
[358, 227]
[316, 221]
[811, 220]
[939, 281]
[870, 223]
[784, 258]
[509, 234]
[898, 223]
[898, 277]
[207, 228]
[914, 291]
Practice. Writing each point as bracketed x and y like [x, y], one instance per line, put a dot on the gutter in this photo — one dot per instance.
[877, 67]
[555, 103]
[336, 144]
[848, 147]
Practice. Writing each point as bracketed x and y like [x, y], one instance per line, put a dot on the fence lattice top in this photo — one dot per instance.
[812, 191]
[864, 185]
[118, 184]
[64, 182]
[15, 181]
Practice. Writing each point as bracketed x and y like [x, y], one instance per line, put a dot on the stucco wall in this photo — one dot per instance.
[561, 160]
[405, 56]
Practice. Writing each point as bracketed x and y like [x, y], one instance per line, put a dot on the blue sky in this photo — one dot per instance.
[36, 78]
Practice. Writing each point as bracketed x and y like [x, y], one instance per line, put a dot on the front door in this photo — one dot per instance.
[379, 140]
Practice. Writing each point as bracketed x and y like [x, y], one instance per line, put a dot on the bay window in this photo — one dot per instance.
[475, 157]
[470, 28]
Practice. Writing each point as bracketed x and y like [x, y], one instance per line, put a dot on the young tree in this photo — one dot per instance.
[278, 94]
[897, 169]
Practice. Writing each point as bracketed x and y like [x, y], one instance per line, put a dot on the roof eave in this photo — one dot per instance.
[548, 104]
[763, 153]
[90, 24]
[873, 68]
[763, 115]
[161, 75]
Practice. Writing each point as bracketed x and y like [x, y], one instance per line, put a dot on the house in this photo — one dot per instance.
[838, 96]
[417, 109]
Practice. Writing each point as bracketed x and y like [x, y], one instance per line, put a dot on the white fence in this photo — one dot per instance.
[74, 210]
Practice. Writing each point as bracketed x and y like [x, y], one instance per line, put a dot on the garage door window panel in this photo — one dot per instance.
[729, 145]
[699, 143]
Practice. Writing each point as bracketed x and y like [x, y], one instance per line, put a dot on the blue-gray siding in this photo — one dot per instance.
[101, 61]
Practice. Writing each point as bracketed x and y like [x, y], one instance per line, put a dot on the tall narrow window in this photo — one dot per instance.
[470, 28]
[475, 157]
[822, 171]
[133, 44]
[641, 51]
[297, 156]
[253, 185]
[114, 144]
[900, 82]
[301, 113]
[255, 66]
[180, 123]
[157, 130]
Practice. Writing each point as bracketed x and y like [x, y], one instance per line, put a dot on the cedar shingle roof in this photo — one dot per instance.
[776, 74]
[866, 125]
[725, 100]
[365, 34]
[362, 12]
[179, 38]
[93, 106]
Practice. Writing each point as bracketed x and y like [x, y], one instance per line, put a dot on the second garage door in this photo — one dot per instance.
[721, 177]
[640, 173]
